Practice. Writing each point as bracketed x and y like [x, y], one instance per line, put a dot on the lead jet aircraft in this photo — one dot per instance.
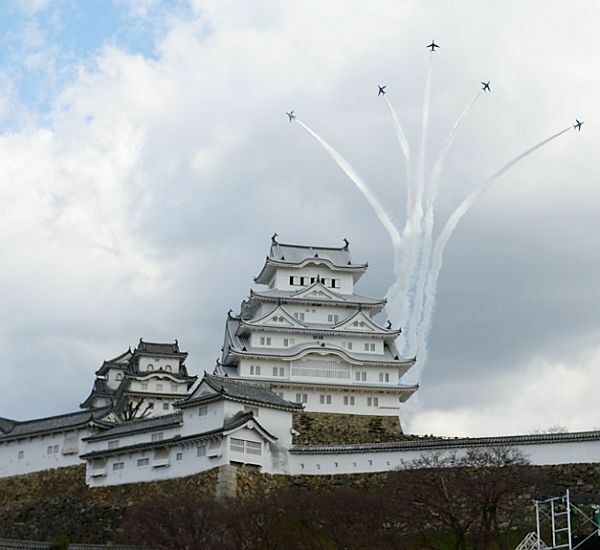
[577, 125]
[381, 90]
[486, 86]
[291, 115]
[433, 46]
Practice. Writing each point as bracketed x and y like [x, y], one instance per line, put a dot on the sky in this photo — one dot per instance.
[146, 160]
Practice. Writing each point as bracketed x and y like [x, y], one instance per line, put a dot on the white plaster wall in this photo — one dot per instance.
[277, 341]
[193, 423]
[387, 405]
[348, 463]
[159, 363]
[190, 463]
[35, 455]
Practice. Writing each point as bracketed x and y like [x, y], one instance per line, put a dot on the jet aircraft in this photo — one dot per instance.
[433, 46]
[577, 125]
[291, 115]
[381, 90]
[486, 86]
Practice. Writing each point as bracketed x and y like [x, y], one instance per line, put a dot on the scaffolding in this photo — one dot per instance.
[556, 515]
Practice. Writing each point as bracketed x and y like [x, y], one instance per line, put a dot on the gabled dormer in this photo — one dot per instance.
[277, 318]
[317, 291]
[361, 322]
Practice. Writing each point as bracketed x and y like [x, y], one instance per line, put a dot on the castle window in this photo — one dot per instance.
[301, 398]
[287, 342]
[278, 371]
[317, 337]
[372, 402]
[265, 340]
[119, 376]
[114, 444]
[159, 387]
[20, 455]
[369, 347]
[174, 387]
[203, 411]
[349, 345]
[179, 456]
[302, 281]
[255, 370]
[150, 366]
[325, 399]
[335, 283]
[201, 450]
[165, 406]
[299, 316]
[143, 461]
[118, 466]
[237, 445]
[361, 376]
[144, 385]
[249, 447]
[349, 400]
[168, 368]
[384, 376]
[333, 319]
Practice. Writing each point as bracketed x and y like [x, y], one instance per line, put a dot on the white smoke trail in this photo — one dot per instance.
[446, 233]
[380, 212]
[430, 196]
[413, 230]
[404, 145]
[421, 155]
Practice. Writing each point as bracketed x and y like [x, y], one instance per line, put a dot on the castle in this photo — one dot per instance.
[305, 344]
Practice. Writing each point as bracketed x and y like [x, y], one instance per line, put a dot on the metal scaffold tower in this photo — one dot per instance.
[556, 516]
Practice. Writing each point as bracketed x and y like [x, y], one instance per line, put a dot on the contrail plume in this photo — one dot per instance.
[406, 152]
[446, 233]
[413, 231]
[380, 212]
[421, 155]
[430, 195]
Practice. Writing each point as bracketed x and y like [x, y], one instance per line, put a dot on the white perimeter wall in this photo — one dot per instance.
[35, 452]
[350, 463]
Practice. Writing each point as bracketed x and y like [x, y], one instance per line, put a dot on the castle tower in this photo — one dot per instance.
[143, 382]
[313, 339]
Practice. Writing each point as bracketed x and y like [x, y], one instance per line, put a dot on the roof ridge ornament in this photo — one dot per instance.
[389, 324]
[346, 244]
[274, 238]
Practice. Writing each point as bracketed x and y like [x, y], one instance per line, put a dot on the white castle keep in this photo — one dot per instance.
[307, 344]
[313, 339]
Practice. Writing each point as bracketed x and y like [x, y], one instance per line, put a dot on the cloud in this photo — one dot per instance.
[141, 202]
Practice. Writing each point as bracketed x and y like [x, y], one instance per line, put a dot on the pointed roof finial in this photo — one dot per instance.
[346, 243]
[229, 313]
[389, 324]
[274, 238]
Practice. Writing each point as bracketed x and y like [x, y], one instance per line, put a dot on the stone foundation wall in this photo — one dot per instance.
[322, 428]
[54, 503]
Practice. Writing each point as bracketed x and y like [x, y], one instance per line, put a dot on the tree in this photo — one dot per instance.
[471, 495]
[176, 522]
